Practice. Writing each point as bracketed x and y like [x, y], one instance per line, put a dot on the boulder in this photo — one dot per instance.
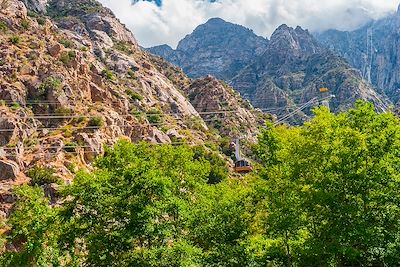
[55, 50]
[98, 94]
[9, 170]
[13, 9]
[93, 145]
[12, 130]
[15, 92]
[156, 136]
[102, 40]
[174, 135]
[146, 65]
[58, 98]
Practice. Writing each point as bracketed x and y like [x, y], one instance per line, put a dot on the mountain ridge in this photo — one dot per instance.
[231, 50]
[285, 72]
[373, 50]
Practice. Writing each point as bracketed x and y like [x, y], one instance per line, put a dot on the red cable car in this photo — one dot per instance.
[241, 165]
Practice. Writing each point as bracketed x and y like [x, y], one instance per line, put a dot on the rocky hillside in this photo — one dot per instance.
[217, 47]
[293, 69]
[235, 116]
[374, 50]
[73, 79]
[209, 94]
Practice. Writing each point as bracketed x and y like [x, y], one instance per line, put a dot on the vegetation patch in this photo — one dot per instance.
[154, 116]
[3, 26]
[25, 24]
[322, 194]
[42, 175]
[134, 95]
[108, 74]
[70, 147]
[124, 47]
[96, 122]
[15, 39]
[51, 83]
[67, 56]
[66, 43]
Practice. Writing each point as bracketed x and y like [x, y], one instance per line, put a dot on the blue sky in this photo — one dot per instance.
[157, 22]
[157, 2]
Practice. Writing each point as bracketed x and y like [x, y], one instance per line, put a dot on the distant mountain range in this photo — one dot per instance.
[374, 49]
[277, 74]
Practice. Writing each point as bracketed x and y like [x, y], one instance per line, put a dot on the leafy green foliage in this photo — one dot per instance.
[66, 57]
[70, 147]
[51, 83]
[108, 74]
[96, 122]
[219, 169]
[124, 47]
[142, 191]
[15, 39]
[25, 24]
[327, 194]
[42, 175]
[3, 26]
[154, 116]
[332, 188]
[66, 43]
[133, 95]
[34, 231]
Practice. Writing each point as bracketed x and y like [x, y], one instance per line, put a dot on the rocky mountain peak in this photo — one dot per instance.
[208, 94]
[215, 21]
[210, 32]
[89, 18]
[217, 47]
[297, 41]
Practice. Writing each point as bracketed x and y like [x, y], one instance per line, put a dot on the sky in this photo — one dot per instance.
[172, 20]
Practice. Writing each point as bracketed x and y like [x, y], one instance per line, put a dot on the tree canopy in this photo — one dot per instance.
[324, 194]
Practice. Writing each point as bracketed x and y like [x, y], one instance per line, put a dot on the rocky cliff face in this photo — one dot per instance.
[39, 6]
[293, 69]
[374, 50]
[217, 47]
[73, 80]
[240, 119]
[235, 116]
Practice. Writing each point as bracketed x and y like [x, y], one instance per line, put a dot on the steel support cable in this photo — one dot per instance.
[65, 127]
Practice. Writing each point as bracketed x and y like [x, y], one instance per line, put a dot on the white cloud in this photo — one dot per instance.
[176, 18]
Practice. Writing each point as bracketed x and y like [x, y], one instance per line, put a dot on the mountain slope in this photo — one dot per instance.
[294, 67]
[217, 47]
[209, 94]
[73, 80]
[374, 50]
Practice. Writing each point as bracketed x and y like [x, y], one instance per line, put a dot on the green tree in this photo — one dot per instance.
[134, 206]
[220, 223]
[35, 232]
[335, 185]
